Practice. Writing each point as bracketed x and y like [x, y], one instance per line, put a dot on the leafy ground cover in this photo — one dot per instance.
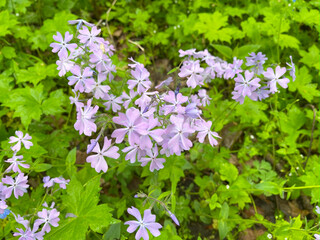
[221, 97]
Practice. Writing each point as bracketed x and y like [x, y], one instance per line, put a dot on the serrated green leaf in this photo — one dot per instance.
[8, 52]
[7, 22]
[311, 58]
[53, 105]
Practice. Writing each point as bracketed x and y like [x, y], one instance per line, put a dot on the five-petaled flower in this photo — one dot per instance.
[147, 222]
[20, 139]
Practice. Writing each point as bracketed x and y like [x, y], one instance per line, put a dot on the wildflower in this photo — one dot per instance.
[318, 209]
[132, 95]
[4, 212]
[18, 185]
[292, 70]
[134, 152]
[192, 70]
[97, 161]
[156, 163]
[204, 129]
[85, 122]
[205, 99]
[112, 101]
[246, 85]
[141, 79]
[81, 78]
[174, 218]
[89, 38]
[20, 139]
[317, 236]
[63, 45]
[274, 78]
[165, 83]
[48, 217]
[15, 163]
[79, 23]
[147, 222]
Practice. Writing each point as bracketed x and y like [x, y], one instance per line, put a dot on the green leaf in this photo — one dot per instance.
[70, 161]
[244, 51]
[8, 52]
[7, 22]
[303, 84]
[288, 41]
[311, 58]
[213, 27]
[113, 232]
[53, 105]
[35, 73]
[82, 202]
[269, 188]
[214, 202]
[223, 216]
[42, 167]
[228, 172]
[26, 103]
[224, 50]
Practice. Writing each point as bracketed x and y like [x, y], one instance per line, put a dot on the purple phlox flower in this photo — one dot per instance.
[205, 99]
[156, 163]
[93, 144]
[155, 134]
[274, 78]
[165, 83]
[24, 235]
[100, 60]
[64, 65]
[132, 95]
[292, 70]
[97, 161]
[192, 111]
[188, 53]
[18, 185]
[82, 79]
[15, 163]
[178, 132]
[107, 47]
[48, 182]
[233, 69]
[134, 152]
[75, 99]
[147, 222]
[20, 139]
[145, 99]
[174, 218]
[63, 44]
[176, 101]
[204, 129]
[99, 90]
[134, 124]
[195, 99]
[148, 111]
[89, 38]
[62, 182]
[112, 101]
[257, 61]
[48, 217]
[141, 79]
[317, 209]
[262, 93]
[238, 97]
[317, 236]
[85, 124]
[192, 70]
[246, 85]
[79, 23]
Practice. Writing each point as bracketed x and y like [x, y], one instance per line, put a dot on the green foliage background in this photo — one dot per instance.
[265, 159]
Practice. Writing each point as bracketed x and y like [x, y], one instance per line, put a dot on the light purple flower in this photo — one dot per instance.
[156, 163]
[176, 100]
[292, 70]
[62, 182]
[274, 78]
[112, 101]
[141, 79]
[48, 182]
[48, 217]
[174, 218]
[257, 61]
[63, 45]
[85, 124]
[89, 38]
[15, 163]
[79, 23]
[99, 90]
[100, 60]
[189, 52]
[97, 161]
[18, 185]
[64, 65]
[134, 153]
[192, 111]
[192, 70]
[82, 79]
[318, 209]
[147, 222]
[20, 139]
[204, 129]
[155, 134]
[25, 235]
[2, 190]
[93, 143]
[317, 236]
[205, 99]
[134, 124]
[165, 83]
[233, 69]
[262, 93]
[75, 99]
[246, 85]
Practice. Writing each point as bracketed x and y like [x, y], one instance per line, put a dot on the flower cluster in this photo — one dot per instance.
[18, 185]
[153, 122]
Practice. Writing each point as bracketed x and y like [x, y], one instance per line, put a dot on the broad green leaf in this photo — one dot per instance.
[7, 22]
[224, 50]
[311, 58]
[286, 40]
[70, 161]
[42, 167]
[228, 172]
[53, 105]
[8, 52]
[223, 225]
[244, 51]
